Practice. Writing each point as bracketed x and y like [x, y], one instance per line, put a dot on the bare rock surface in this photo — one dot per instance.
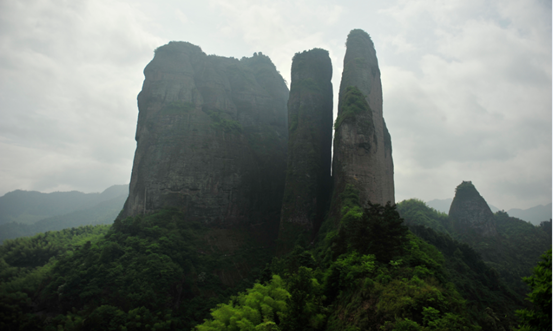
[211, 137]
[469, 211]
[308, 181]
[362, 143]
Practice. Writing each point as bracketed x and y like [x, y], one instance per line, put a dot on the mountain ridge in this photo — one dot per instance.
[534, 215]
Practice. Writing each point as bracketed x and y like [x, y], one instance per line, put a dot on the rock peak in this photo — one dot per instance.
[308, 181]
[362, 143]
[469, 211]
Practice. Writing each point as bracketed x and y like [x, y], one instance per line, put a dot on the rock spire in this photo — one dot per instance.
[362, 144]
[308, 180]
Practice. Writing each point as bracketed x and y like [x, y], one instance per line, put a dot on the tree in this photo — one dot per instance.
[538, 318]
[379, 231]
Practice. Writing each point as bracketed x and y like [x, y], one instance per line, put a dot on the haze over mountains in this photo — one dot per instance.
[25, 213]
[534, 215]
[214, 210]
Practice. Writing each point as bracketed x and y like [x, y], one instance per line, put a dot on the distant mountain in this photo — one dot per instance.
[442, 205]
[88, 209]
[103, 213]
[534, 215]
[28, 207]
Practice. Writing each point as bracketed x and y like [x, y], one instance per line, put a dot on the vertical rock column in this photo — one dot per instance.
[362, 144]
[308, 180]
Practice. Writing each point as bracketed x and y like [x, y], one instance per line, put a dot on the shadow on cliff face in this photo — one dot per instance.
[211, 139]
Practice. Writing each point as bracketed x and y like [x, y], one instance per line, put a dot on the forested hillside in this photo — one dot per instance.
[512, 254]
[166, 272]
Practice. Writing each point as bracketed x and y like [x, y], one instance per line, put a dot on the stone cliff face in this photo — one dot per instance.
[211, 137]
[469, 211]
[308, 178]
[362, 144]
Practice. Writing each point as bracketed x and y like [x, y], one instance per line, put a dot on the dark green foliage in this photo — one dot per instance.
[222, 123]
[511, 254]
[379, 231]
[26, 264]
[163, 272]
[358, 36]
[546, 227]
[291, 263]
[364, 294]
[304, 309]
[352, 104]
[539, 317]
[515, 251]
[466, 190]
[489, 301]
[416, 212]
[163, 268]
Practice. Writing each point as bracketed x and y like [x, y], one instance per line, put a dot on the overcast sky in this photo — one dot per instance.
[467, 84]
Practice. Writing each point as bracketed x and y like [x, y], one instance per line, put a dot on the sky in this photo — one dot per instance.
[466, 84]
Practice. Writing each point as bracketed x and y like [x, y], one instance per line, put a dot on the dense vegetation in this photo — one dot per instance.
[165, 272]
[356, 283]
[512, 254]
[539, 316]
[161, 271]
[26, 266]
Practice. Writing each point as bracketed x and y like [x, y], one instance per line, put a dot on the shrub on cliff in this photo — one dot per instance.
[353, 104]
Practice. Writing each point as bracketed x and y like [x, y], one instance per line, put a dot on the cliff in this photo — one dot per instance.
[469, 211]
[308, 180]
[211, 137]
[362, 144]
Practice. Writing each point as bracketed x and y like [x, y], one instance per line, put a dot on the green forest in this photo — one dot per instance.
[392, 267]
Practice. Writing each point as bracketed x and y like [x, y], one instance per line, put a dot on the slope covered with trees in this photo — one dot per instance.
[166, 272]
[512, 253]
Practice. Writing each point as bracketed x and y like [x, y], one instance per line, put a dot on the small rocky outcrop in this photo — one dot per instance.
[308, 180]
[211, 137]
[362, 143]
[470, 212]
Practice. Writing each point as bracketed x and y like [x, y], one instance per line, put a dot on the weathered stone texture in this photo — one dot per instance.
[362, 143]
[211, 137]
[308, 180]
[469, 211]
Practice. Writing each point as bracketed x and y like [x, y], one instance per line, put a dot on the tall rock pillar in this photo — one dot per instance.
[308, 180]
[362, 144]
[211, 138]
